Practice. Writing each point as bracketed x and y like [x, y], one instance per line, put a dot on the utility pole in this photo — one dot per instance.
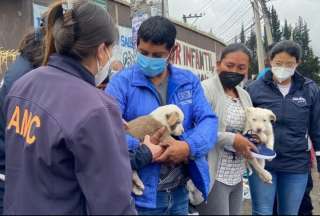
[165, 8]
[142, 10]
[260, 50]
[266, 18]
[190, 16]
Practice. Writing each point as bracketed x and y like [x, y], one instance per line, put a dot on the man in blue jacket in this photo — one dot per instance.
[153, 82]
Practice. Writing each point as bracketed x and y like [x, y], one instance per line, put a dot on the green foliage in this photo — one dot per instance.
[275, 26]
[310, 64]
[286, 31]
[251, 43]
[242, 35]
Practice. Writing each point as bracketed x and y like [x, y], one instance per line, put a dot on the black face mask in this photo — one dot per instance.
[230, 79]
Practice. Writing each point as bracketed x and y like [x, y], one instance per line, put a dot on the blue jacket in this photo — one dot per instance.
[66, 151]
[137, 96]
[262, 73]
[17, 69]
[298, 116]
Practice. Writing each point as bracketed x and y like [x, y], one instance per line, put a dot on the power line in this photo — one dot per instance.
[235, 22]
[244, 23]
[245, 30]
[240, 6]
[204, 6]
[204, 9]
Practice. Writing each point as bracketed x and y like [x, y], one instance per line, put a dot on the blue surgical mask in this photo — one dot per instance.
[151, 67]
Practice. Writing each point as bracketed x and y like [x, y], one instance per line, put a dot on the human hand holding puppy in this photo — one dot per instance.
[176, 152]
[153, 143]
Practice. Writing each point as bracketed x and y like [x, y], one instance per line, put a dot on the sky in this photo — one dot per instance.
[225, 17]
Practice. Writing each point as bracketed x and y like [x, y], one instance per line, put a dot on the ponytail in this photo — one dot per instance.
[55, 12]
[77, 32]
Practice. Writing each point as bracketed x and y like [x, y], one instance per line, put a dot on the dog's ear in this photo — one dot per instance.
[172, 118]
[248, 110]
[272, 116]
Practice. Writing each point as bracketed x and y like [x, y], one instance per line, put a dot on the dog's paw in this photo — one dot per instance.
[266, 177]
[137, 184]
[137, 191]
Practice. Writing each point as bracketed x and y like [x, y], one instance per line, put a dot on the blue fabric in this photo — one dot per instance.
[263, 72]
[16, 70]
[137, 96]
[78, 153]
[169, 203]
[287, 187]
[298, 116]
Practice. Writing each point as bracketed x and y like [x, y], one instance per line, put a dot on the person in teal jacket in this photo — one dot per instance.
[153, 82]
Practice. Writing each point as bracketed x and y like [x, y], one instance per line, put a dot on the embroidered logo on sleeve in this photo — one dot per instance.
[185, 97]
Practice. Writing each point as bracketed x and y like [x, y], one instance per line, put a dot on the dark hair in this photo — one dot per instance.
[78, 31]
[158, 30]
[235, 47]
[31, 47]
[288, 46]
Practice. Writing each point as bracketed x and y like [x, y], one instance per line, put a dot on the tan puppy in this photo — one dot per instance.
[170, 116]
[259, 121]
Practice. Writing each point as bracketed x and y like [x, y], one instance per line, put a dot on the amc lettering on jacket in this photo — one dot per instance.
[24, 124]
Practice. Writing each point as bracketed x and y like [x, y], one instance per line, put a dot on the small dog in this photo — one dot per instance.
[170, 116]
[259, 121]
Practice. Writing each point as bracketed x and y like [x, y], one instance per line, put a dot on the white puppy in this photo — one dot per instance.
[170, 116]
[259, 121]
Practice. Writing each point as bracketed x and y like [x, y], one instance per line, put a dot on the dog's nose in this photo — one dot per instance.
[259, 130]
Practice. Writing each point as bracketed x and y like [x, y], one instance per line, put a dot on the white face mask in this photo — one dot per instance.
[103, 71]
[283, 73]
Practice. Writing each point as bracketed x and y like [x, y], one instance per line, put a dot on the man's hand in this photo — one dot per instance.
[155, 138]
[176, 152]
[156, 150]
[153, 143]
[243, 146]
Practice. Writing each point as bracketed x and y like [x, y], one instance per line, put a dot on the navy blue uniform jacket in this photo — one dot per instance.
[65, 147]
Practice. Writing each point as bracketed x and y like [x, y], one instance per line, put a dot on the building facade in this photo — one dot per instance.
[196, 50]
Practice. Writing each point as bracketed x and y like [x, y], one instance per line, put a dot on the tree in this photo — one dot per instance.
[310, 65]
[286, 31]
[252, 44]
[301, 36]
[275, 26]
[242, 35]
[265, 39]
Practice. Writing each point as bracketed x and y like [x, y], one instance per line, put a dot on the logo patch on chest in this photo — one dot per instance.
[299, 101]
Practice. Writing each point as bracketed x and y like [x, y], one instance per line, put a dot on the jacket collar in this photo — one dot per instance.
[71, 66]
[297, 80]
[175, 80]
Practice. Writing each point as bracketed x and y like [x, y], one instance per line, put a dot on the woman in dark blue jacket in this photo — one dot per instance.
[296, 102]
[65, 145]
[31, 57]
